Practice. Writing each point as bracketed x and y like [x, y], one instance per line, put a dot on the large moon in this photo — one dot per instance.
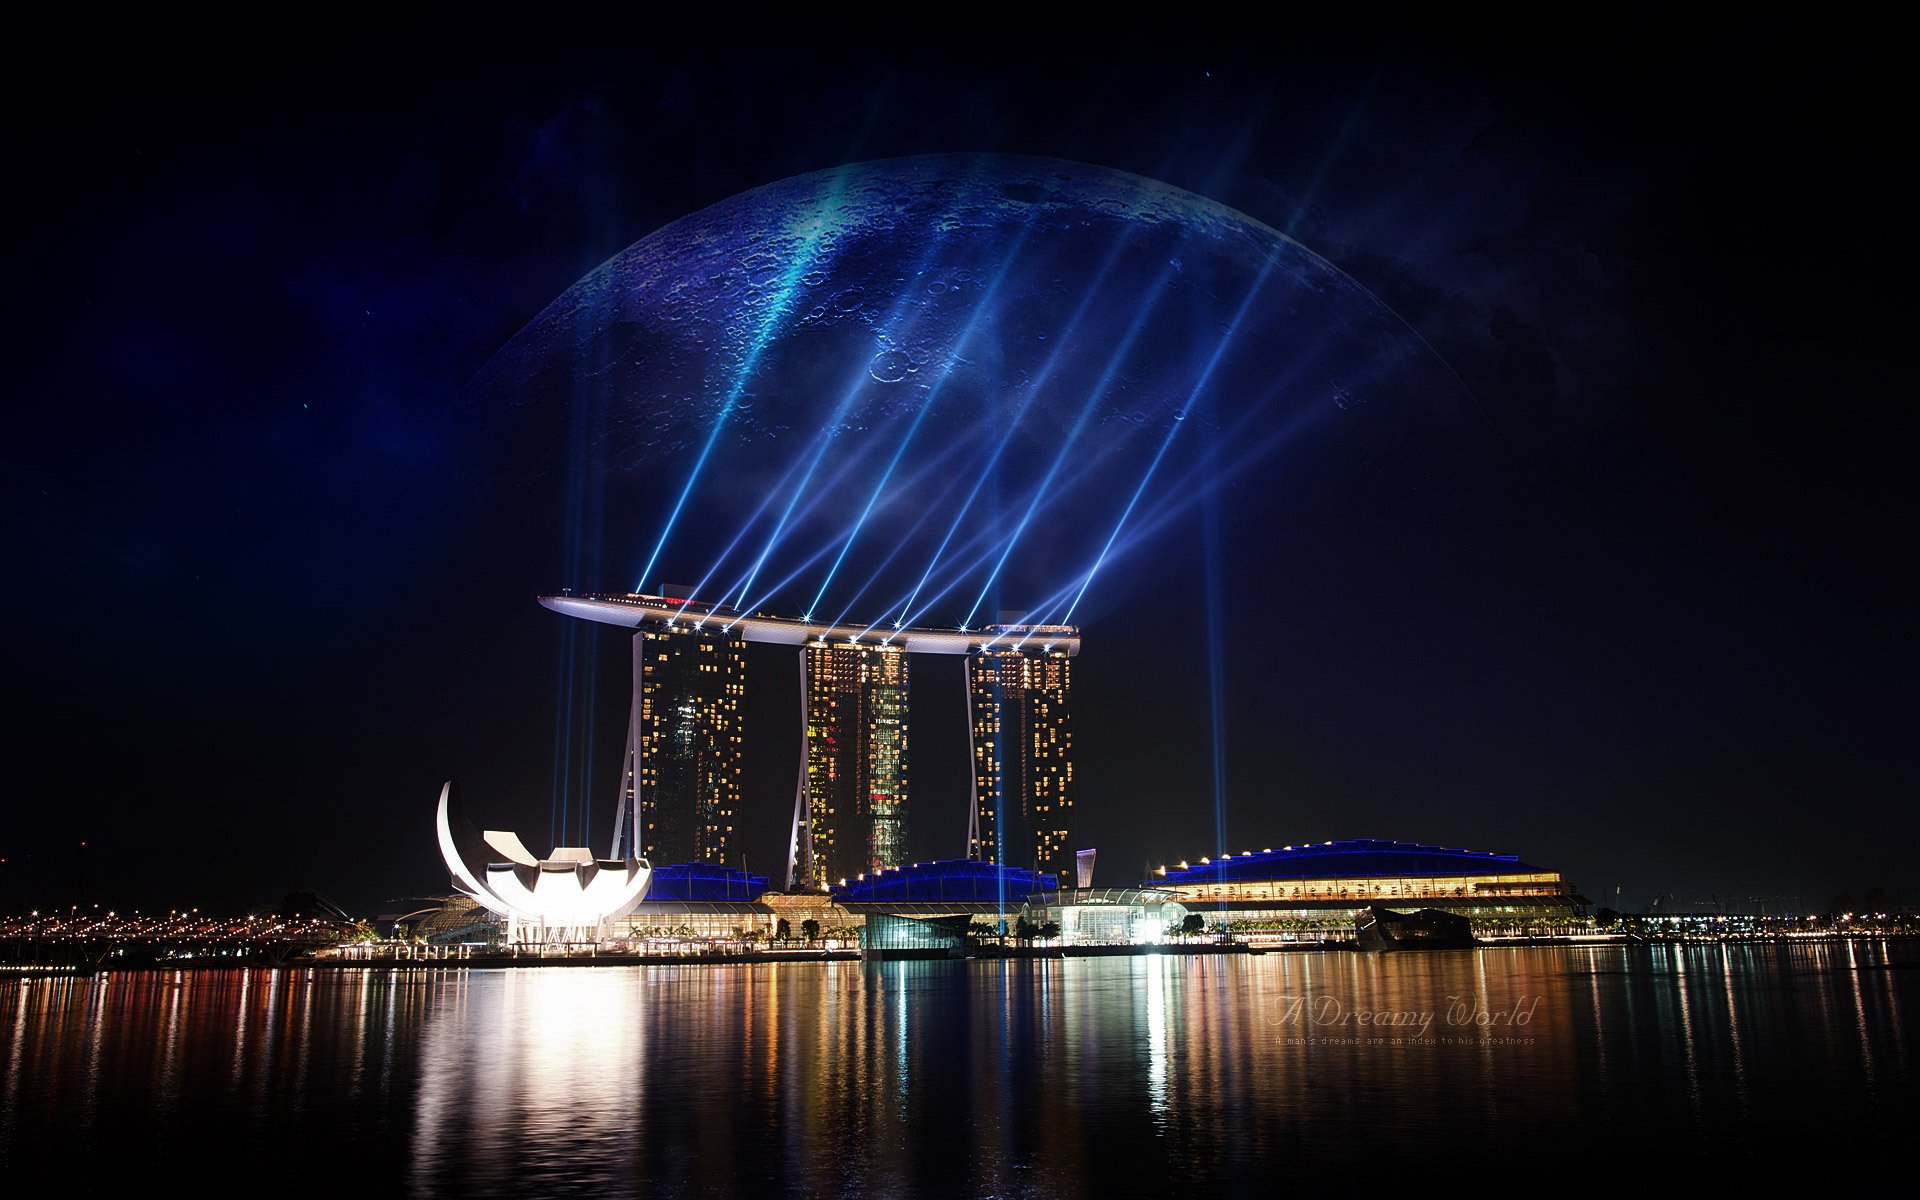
[926, 388]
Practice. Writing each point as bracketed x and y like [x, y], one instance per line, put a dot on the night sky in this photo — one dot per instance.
[259, 608]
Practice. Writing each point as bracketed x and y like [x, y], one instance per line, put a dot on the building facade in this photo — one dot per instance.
[856, 768]
[1325, 885]
[1019, 692]
[850, 814]
[680, 783]
[1109, 916]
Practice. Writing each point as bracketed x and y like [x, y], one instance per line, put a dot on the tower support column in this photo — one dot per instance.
[800, 862]
[626, 813]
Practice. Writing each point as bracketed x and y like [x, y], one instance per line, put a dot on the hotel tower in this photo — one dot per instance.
[850, 812]
[1019, 691]
[680, 783]
[856, 769]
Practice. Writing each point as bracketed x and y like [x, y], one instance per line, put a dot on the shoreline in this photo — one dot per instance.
[512, 962]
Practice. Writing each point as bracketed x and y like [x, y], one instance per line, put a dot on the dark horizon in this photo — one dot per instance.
[267, 595]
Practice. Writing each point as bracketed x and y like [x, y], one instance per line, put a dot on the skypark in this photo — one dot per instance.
[630, 610]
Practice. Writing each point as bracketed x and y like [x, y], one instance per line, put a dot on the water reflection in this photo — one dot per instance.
[1084, 1077]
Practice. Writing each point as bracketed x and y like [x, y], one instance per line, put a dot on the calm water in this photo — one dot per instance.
[1084, 1077]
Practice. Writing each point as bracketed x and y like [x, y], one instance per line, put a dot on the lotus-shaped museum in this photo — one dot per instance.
[569, 895]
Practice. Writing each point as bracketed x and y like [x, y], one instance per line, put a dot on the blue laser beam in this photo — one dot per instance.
[988, 536]
[1032, 391]
[766, 499]
[770, 321]
[1216, 666]
[993, 539]
[815, 499]
[1166, 443]
[1238, 149]
[900, 543]
[1049, 609]
[934, 465]
[1094, 396]
[986, 304]
[586, 763]
[1204, 475]
[959, 572]
[856, 383]
[584, 522]
[562, 731]
[1332, 155]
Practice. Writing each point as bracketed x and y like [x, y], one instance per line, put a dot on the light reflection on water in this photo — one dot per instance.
[1045, 1078]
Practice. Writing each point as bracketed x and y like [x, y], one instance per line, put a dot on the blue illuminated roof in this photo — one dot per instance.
[1358, 858]
[689, 882]
[955, 880]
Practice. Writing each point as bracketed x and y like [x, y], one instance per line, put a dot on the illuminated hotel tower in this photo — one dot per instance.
[681, 776]
[855, 786]
[1018, 690]
[850, 808]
